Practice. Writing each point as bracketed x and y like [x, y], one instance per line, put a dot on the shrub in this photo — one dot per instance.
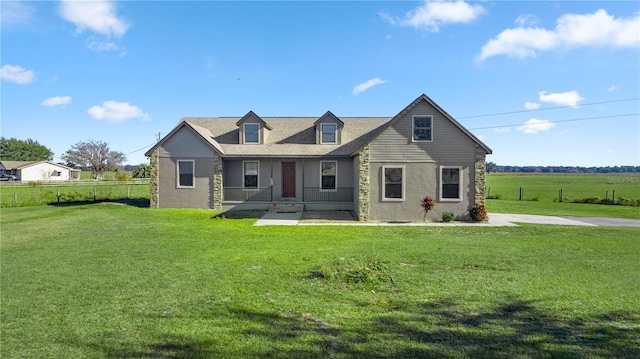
[364, 271]
[478, 213]
[427, 204]
[448, 217]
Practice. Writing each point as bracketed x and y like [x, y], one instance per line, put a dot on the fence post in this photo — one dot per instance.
[488, 192]
[94, 194]
[58, 196]
[15, 197]
[613, 197]
[127, 192]
[521, 193]
[560, 195]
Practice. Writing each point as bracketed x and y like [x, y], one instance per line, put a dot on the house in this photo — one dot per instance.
[39, 171]
[380, 168]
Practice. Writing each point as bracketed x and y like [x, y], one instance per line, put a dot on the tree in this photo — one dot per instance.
[13, 149]
[94, 156]
[142, 171]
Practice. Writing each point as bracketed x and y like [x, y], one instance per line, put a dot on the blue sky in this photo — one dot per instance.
[540, 82]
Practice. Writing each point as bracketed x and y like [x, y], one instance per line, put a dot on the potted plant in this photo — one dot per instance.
[427, 204]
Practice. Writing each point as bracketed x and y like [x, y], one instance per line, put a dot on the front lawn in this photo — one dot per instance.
[116, 281]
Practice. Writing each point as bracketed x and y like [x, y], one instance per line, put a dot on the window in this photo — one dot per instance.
[328, 132]
[250, 173]
[328, 175]
[450, 183]
[186, 174]
[393, 183]
[251, 133]
[422, 126]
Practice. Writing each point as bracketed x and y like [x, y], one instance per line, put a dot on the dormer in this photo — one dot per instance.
[328, 129]
[253, 129]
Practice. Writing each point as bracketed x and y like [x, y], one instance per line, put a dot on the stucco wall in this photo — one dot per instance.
[421, 179]
[201, 196]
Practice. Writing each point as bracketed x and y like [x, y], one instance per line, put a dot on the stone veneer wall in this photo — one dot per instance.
[217, 183]
[364, 184]
[153, 181]
[480, 175]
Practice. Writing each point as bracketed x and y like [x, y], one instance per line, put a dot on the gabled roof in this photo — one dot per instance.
[296, 136]
[18, 165]
[253, 114]
[202, 132]
[328, 114]
[426, 98]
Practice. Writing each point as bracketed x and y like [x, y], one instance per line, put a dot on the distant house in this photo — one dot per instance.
[380, 168]
[39, 171]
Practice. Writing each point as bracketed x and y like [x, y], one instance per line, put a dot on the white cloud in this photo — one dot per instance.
[526, 20]
[16, 74]
[531, 105]
[533, 126]
[367, 85]
[569, 98]
[572, 30]
[56, 101]
[99, 46]
[502, 129]
[432, 14]
[114, 111]
[16, 12]
[613, 88]
[97, 15]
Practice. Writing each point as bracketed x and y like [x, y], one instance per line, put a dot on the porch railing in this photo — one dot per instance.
[310, 194]
[341, 194]
[262, 194]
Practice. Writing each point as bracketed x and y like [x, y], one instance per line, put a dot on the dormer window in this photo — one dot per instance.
[328, 132]
[251, 133]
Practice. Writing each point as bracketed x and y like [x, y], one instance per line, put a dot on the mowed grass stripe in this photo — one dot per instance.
[105, 280]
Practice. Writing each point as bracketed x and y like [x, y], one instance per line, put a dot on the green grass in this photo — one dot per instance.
[116, 281]
[541, 194]
[18, 195]
[545, 188]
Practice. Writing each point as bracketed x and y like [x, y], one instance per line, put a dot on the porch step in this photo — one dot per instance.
[286, 208]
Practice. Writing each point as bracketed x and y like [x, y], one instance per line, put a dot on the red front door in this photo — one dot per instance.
[288, 179]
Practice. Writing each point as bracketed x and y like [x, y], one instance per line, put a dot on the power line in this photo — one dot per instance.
[549, 108]
[571, 120]
[140, 149]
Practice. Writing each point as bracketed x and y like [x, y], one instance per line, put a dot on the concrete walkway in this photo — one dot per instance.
[495, 220]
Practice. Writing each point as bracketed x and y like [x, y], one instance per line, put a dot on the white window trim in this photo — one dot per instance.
[329, 190]
[193, 173]
[335, 133]
[244, 133]
[404, 185]
[460, 184]
[413, 125]
[243, 174]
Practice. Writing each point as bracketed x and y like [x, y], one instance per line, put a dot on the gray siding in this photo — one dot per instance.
[201, 196]
[421, 179]
[186, 144]
[449, 143]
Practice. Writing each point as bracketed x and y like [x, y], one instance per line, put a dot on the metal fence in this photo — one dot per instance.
[315, 194]
[239, 194]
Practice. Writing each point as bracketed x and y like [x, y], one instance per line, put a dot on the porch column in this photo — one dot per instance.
[154, 161]
[480, 176]
[218, 190]
[363, 184]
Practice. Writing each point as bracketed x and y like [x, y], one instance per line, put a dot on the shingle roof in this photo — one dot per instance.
[296, 136]
[290, 136]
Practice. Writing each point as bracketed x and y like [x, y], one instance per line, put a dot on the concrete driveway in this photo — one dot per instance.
[328, 218]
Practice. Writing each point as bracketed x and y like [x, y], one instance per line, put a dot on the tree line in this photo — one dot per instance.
[90, 155]
[494, 168]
